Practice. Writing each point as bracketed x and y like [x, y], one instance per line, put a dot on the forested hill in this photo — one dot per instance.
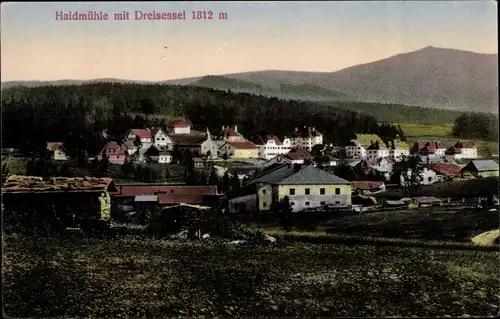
[77, 114]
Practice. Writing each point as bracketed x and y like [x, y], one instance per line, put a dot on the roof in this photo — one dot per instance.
[189, 139]
[312, 175]
[155, 149]
[377, 146]
[483, 165]
[228, 131]
[276, 174]
[114, 146]
[366, 185]
[365, 139]
[135, 190]
[263, 139]
[36, 184]
[306, 132]
[179, 124]
[243, 145]
[465, 144]
[427, 146]
[146, 198]
[445, 169]
[142, 133]
[299, 153]
[166, 199]
[53, 146]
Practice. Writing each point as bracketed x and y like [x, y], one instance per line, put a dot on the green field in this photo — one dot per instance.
[45, 277]
[420, 132]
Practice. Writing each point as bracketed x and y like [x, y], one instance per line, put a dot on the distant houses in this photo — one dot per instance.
[114, 152]
[240, 149]
[358, 148]
[271, 146]
[306, 137]
[462, 150]
[179, 127]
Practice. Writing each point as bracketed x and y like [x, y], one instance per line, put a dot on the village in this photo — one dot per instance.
[311, 174]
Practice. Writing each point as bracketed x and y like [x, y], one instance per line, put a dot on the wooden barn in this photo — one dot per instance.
[63, 200]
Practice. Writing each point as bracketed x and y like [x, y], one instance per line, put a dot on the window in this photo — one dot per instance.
[322, 191]
[322, 203]
[292, 191]
[429, 179]
[264, 204]
[337, 202]
[308, 191]
[263, 191]
[337, 191]
[292, 203]
[307, 203]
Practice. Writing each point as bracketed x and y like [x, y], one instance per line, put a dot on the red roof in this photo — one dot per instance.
[53, 146]
[135, 190]
[142, 133]
[366, 185]
[179, 124]
[243, 145]
[445, 169]
[465, 144]
[193, 199]
[262, 140]
[299, 154]
[229, 131]
[429, 147]
[117, 149]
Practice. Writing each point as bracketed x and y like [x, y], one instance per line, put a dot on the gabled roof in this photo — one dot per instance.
[299, 153]
[54, 146]
[444, 169]
[276, 174]
[36, 184]
[115, 146]
[263, 139]
[142, 133]
[243, 145]
[178, 124]
[482, 165]
[311, 175]
[188, 139]
[465, 144]
[156, 130]
[155, 149]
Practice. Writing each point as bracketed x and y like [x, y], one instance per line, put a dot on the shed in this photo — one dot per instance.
[480, 168]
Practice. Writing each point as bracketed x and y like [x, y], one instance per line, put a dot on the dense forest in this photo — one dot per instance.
[476, 125]
[78, 114]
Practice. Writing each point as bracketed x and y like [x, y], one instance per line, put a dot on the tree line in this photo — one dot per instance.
[85, 116]
[476, 125]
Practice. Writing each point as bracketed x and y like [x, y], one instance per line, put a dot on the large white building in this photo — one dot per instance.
[462, 150]
[366, 146]
[306, 137]
[270, 146]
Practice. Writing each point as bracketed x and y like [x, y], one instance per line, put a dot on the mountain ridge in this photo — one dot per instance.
[434, 77]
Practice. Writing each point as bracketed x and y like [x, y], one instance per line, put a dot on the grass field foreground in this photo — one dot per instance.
[46, 277]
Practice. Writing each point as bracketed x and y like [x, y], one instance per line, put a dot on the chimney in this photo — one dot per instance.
[223, 127]
[236, 128]
[314, 129]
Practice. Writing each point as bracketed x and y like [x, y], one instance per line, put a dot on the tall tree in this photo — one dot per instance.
[409, 172]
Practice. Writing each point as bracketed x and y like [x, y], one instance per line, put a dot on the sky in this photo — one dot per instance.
[257, 35]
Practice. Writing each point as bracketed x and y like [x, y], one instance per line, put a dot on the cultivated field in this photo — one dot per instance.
[130, 277]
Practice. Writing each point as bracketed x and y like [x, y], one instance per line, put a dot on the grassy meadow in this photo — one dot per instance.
[79, 277]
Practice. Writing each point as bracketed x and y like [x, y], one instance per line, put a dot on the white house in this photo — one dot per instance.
[161, 139]
[357, 148]
[426, 148]
[306, 137]
[144, 135]
[270, 146]
[377, 150]
[398, 150]
[428, 177]
[179, 127]
[159, 155]
[462, 150]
